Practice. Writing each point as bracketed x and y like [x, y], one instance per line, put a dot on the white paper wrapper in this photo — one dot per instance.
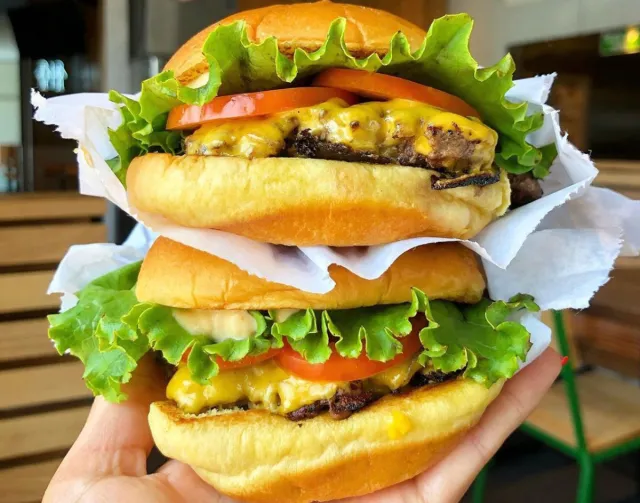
[84, 263]
[597, 219]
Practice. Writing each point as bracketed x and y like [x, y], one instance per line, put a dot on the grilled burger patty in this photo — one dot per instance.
[452, 142]
[267, 386]
[524, 189]
[398, 131]
[346, 402]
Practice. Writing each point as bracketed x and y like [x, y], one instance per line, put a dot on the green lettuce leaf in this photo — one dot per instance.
[238, 65]
[91, 331]
[167, 336]
[109, 330]
[142, 129]
[479, 338]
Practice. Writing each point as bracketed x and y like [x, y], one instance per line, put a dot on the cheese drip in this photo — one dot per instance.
[268, 386]
[385, 128]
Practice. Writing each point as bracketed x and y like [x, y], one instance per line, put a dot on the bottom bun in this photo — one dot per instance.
[256, 456]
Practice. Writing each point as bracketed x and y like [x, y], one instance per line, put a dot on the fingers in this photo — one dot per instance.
[184, 481]
[453, 476]
[116, 439]
[449, 480]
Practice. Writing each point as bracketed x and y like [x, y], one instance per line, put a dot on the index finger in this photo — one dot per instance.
[447, 481]
[516, 401]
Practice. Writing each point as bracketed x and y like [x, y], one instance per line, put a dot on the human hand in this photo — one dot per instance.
[108, 461]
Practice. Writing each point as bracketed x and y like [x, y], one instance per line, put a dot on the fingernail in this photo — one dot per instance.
[564, 361]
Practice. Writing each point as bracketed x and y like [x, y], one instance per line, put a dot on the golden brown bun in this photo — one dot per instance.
[176, 275]
[308, 202]
[257, 456]
[305, 26]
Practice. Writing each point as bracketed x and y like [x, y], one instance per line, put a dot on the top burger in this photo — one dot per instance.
[329, 124]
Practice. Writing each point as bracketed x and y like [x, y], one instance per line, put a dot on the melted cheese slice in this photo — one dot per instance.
[268, 386]
[376, 126]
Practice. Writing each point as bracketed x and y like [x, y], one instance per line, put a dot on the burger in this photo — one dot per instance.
[315, 124]
[276, 394]
[329, 124]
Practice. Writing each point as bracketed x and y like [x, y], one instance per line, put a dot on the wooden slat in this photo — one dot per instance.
[610, 411]
[628, 179]
[609, 334]
[45, 244]
[43, 384]
[39, 433]
[26, 484]
[617, 297]
[628, 263]
[20, 340]
[26, 291]
[608, 343]
[49, 206]
[606, 359]
[616, 164]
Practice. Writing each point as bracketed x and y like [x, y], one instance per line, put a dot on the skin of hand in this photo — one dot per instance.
[108, 461]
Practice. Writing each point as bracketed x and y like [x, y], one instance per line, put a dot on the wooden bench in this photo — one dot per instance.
[44, 402]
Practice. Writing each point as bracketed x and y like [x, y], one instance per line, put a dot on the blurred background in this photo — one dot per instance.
[584, 437]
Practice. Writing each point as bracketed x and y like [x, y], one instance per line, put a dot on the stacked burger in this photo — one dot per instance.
[305, 125]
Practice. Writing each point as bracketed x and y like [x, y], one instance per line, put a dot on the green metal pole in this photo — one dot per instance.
[569, 382]
[617, 450]
[585, 479]
[585, 460]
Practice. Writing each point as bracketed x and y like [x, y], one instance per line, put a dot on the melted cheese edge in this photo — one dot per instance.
[268, 386]
[374, 127]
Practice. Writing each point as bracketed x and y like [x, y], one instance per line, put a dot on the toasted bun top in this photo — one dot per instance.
[176, 275]
[302, 25]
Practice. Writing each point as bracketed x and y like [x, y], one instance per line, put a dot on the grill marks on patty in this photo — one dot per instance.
[451, 144]
[399, 131]
[347, 402]
[447, 145]
[340, 406]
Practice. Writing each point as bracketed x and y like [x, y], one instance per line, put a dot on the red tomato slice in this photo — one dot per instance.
[247, 361]
[253, 104]
[385, 87]
[339, 368]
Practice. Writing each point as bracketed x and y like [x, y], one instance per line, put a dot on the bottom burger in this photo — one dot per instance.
[276, 394]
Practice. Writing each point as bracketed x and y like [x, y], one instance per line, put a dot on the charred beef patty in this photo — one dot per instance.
[452, 144]
[346, 402]
[459, 149]
[524, 189]
[393, 132]
[267, 386]
[340, 406]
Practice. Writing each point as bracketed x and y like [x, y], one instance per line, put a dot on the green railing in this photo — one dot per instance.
[580, 451]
